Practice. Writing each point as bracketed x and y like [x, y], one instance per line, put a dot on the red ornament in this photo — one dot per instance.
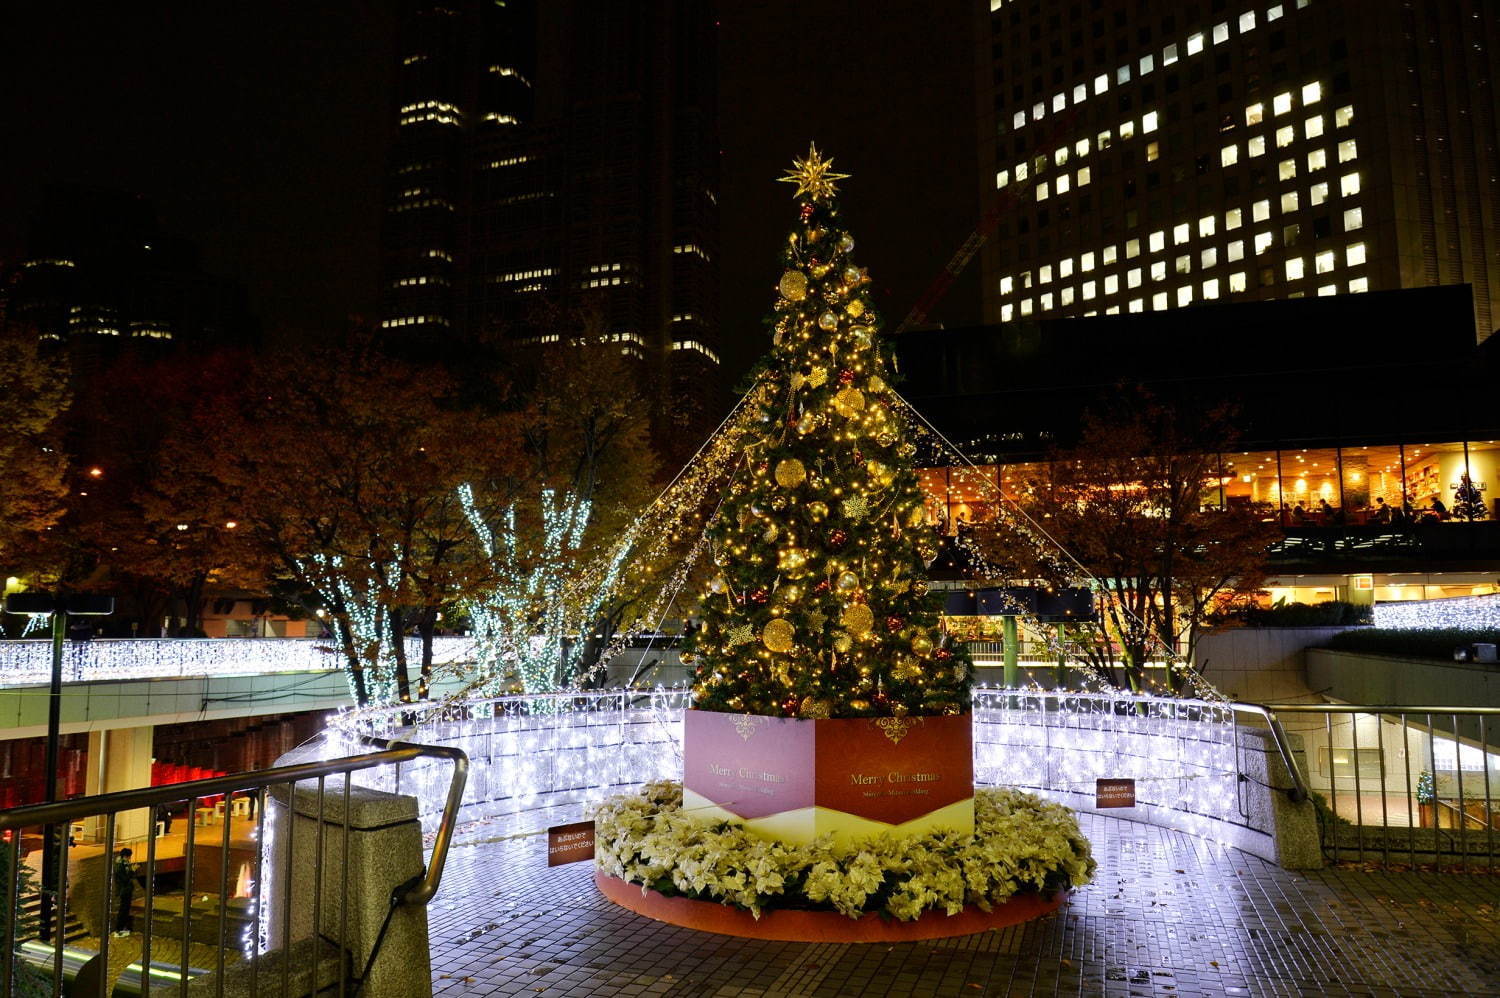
[837, 538]
[846, 377]
[942, 654]
[895, 622]
[760, 595]
[822, 587]
[806, 212]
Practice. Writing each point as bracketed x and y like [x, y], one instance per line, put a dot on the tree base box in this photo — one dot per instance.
[794, 779]
[792, 925]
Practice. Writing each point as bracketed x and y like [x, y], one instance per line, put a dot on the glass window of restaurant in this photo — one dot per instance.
[1312, 486]
[1254, 481]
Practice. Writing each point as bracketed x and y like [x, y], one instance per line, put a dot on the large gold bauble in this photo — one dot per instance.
[815, 708]
[807, 423]
[828, 321]
[779, 636]
[846, 583]
[792, 562]
[852, 274]
[793, 285]
[846, 243]
[849, 401]
[921, 645]
[885, 439]
[857, 618]
[817, 511]
[842, 642]
[863, 335]
[855, 308]
[790, 473]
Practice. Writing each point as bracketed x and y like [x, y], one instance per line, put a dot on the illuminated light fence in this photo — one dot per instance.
[529, 754]
[29, 663]
[1463, 612]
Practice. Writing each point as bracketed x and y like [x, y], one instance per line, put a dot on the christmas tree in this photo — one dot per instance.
[1468, 503]
[818, 605]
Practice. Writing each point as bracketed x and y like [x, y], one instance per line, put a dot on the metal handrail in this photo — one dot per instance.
[419, 893]
[1299, 791]
[1365, 708]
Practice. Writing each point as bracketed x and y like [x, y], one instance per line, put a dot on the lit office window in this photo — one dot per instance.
[1026, 308]
[1184, 296]
[1343, 116]
[1274, 12]
[1233, 219]
[1159, 301]
[1169, 55]
[1206, 225]
[1262, 242]
[1221, 32]
[1081, 147]
[1256, 146]
[1287, 169]
[1359, 285]
[1313, 127]
[1007, 313]
[1235, 251]
[1067, 295]
[1247, 21]
[1111, 284]
[1086, 262]
[1324, 262]
[1108, 255]
[1237, 282]
[1112, 310]
[1195, 44]
[1046, 302]
[1211, 289]
[1318, 193]
[1080, 94]
[1312, 93]
[1127, 129]
[1148, 122]
[1153, 151]
[1147, 64]
[1137, 304]
[1327, 290]
[1284, 136]
[1354, 256]
[1290, 234]
[1354, 218]
[1044, 274]
[1229, 155]
[1101, 83]
[1158, 241]
[1122, 75]
[1133, 277]
[1059, 102]
[1260, 211]
[1022, 172]
[1159, 270]
[1184, 264]
[1085, 176]
[1064, 184]
[1037, 110]
[1065, 267]
[1019, 120]
[1007, 285]
[1181, 233]
[1281, 104]
[1002, 179]
[1043, 191]
[1089, 290]
[1132, 248]
[1317, 160]
[1208, 258]
[1104, 139]
[1349, 184]
[1255, 114]
[1347, 150]
[1025, 279]
[1295, 268]
[1061, 156]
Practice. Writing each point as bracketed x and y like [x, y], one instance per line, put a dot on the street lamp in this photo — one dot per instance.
[58, 607]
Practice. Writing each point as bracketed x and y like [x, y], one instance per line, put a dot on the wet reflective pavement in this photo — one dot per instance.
[1169, 914]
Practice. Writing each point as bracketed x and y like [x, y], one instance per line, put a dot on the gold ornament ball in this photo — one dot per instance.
[817, 511]
[815, 708]
[852, 274]
[779, 636]
[859, 705]
[846, 583]
[793, 285]
[885, 439]
[863, 335]
[900, 710]
[717, 584]
[686, 657]
[842, 643]
[858, 619]
[846, 244]
[849, 401]
[855, 308]
[790, 473]
[921, 646]
[828, 321]
[817, 377]
[919, 587]
[876, 383]
[807, 423]
[792, 562]
[789, 593]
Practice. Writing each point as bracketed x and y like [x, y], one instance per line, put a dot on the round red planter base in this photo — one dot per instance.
[820, 926]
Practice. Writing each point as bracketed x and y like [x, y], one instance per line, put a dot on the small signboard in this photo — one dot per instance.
[1114, 793]
[570, 843]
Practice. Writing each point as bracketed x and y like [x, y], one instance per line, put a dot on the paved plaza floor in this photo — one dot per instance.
[1169, 914]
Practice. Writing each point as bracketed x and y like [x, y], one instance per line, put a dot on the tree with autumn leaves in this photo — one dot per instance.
[33, 483]
[819, 605]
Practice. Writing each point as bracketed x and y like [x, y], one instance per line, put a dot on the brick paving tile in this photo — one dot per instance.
[1169, 916]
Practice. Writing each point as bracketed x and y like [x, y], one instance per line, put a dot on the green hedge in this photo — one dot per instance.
[1334, 613]
[1436, 645]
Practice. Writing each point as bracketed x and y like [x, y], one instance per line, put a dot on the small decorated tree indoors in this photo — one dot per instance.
[818, 605]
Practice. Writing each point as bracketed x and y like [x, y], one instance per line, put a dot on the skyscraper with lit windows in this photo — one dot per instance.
[562, 154]
[1152, 154]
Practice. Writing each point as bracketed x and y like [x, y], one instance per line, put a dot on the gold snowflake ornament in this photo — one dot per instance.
[813, 176]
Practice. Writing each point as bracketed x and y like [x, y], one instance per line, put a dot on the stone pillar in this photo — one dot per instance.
[120, 759]
[384, 850]
[1295, 842]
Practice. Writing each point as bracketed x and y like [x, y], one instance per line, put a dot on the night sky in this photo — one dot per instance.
[259, 130]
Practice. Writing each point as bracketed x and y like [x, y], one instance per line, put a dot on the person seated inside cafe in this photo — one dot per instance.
[1381, 513]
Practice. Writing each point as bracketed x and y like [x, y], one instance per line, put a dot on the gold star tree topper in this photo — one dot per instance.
[813, 176]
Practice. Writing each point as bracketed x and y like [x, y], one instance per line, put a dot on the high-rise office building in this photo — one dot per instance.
[1152, 154]
[558, 154]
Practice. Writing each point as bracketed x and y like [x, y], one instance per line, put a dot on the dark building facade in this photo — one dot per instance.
[559, 154]
[100, 274]
[1150, 154]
